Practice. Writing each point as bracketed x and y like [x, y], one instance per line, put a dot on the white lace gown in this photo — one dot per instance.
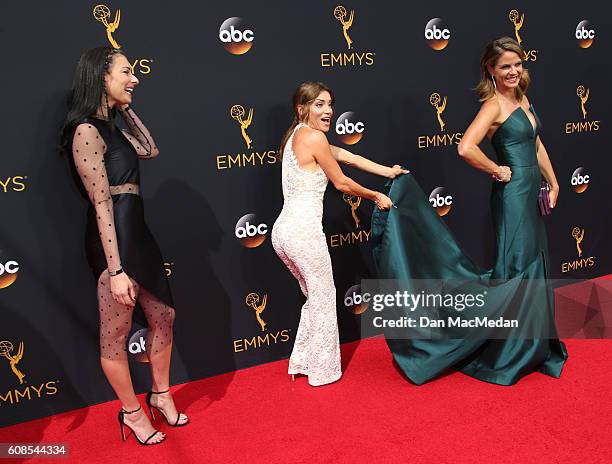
[299, 241]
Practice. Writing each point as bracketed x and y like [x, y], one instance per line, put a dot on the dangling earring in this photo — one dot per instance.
[107, 107]
[493, 79]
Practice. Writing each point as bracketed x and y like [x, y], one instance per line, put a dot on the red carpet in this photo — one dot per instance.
[372, 415]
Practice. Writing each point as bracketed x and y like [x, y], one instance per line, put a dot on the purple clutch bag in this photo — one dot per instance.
[543, 199]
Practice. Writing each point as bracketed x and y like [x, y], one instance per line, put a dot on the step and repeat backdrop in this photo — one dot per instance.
[216, 80]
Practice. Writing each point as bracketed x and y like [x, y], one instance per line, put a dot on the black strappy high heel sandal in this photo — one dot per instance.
[122, 424]
[151, 407]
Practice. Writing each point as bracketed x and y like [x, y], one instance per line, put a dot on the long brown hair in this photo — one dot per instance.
[490, 56]
[304, 95]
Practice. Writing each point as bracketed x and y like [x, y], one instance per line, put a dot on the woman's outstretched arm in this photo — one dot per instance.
[364, 164]
[316, 143]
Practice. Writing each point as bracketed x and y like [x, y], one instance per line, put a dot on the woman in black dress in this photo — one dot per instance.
[121, 251]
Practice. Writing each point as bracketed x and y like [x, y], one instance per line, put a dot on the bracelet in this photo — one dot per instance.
[117, 272]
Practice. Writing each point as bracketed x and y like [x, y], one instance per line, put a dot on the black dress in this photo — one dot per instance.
[117, 165]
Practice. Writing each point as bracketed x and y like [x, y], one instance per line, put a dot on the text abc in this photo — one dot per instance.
[250, 230]
[347, 127]
[356, 299]
[10, 267]
[138, 347]
[580, 180]
[236, 35]
[439, 201]
[583, 33]
[437, 34]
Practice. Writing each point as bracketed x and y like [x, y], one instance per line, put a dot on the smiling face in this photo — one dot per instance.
[319, 111]
[119, 81]
[507, 71]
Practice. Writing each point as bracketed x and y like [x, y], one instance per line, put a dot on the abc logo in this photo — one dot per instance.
[8, 273]
[580, 180]
[441, 201]
[137, 346]
[355, 301]
[235, 36]
[585, 34]
[349, 129]
[436, 34]
[250, 232]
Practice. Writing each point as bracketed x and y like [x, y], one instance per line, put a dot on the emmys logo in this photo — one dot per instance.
[349, 132]
[6, 350]
[578, 235]
[580, 180]
[237, 112]
[102, 14]
[439, 140]
[580, 263]
[252, 301]
[356, 302]
[249, 232]
[355, 236]
[340, 14]
[137, 345]
[258, 304]
[585, 35]
[353, 201]
[513, 16]
[142, 66]
[349, 238]
[435, 101]
[23, 391]
[441, 201]
[436, 34]
[517, 19]
[8, 273]
[235, 36]
[346, 19]
[251, 158]
[585, 125]
[13, 184]
[583, 95]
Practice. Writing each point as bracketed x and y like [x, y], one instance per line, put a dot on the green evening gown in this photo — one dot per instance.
[413, 242]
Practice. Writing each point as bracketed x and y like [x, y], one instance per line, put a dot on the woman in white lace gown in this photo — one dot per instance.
[297, 236]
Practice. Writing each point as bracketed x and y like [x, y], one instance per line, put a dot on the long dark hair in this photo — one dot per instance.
[87, 90]
[304, 95]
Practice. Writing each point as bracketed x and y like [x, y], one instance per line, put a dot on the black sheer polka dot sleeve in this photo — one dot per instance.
[138, 135]
[88, 149]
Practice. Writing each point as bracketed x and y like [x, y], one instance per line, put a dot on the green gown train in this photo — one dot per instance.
[413, 242]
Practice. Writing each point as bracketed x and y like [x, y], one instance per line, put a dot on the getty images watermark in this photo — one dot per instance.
[443, 309]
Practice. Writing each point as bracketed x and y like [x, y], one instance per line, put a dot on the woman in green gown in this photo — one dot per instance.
[414, 244]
